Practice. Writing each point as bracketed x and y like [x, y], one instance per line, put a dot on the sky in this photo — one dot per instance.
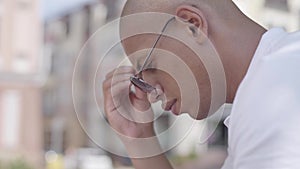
[52, 8]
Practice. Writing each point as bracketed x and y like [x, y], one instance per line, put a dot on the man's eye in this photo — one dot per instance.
[139, 66]
[150, 65]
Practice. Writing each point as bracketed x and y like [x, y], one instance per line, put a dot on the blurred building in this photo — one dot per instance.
[63, 39]
[273, 13]
[65, 35]
[22, 73]
[36, 107]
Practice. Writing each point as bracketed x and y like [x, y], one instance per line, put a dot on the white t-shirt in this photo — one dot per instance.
[264, 124]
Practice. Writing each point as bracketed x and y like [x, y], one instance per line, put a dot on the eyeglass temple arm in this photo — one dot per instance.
[152, 49]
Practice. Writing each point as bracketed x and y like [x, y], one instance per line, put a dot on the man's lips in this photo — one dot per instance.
[169, 105]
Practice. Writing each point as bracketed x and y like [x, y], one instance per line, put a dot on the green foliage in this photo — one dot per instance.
[16, 164]
[179, 160]
[1, 165]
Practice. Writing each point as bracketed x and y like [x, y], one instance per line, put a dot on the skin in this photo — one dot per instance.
[234, 36]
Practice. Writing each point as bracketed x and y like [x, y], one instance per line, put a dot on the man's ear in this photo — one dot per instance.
[195, 17]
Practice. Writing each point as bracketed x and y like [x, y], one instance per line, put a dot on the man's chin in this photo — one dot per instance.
[198, 116]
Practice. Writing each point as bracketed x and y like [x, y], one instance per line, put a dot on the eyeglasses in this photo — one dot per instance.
[137, 80]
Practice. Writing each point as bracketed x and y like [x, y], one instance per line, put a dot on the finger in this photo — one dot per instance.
[117, 89]
[140, 94]
[111, 103]
[116, 79]
[115, 99]
[121, 88]
[120, 106]
[120, 70]
[139, 104]
[112, 114]
[110, 106]
[121, 95]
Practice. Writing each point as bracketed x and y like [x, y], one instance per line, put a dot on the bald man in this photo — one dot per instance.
[261, 72]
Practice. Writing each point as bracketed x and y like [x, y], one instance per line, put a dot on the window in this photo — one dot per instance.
[24, 4]
[21, 63]
[49, 102]
[11, 117]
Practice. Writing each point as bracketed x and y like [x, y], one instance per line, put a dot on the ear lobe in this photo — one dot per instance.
[194, 16]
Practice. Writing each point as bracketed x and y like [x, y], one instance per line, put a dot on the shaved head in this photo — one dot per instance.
[212, 26]
[167, 6]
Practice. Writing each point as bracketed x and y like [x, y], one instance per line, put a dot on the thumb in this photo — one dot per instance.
[139, 100]
[140, 94]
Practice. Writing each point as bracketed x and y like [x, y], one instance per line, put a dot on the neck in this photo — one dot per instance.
[236, 42]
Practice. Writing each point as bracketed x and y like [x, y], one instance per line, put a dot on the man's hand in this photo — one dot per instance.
[123, 106]
[118, 99]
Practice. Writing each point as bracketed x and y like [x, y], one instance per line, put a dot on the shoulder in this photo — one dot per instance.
[272, 88]
[266, 113]
[280, 66]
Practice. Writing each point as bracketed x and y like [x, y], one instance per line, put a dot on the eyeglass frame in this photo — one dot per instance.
[137, 80]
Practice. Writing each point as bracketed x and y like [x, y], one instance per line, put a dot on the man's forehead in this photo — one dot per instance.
[143, 23]
[138, 31]
[137, 49]
[138, 43]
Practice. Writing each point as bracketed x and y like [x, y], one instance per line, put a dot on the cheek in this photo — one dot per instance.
[168, 83]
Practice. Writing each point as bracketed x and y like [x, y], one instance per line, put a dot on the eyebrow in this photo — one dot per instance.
[139, 63]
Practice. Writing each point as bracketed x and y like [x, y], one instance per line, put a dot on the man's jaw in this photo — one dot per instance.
[169, 105]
